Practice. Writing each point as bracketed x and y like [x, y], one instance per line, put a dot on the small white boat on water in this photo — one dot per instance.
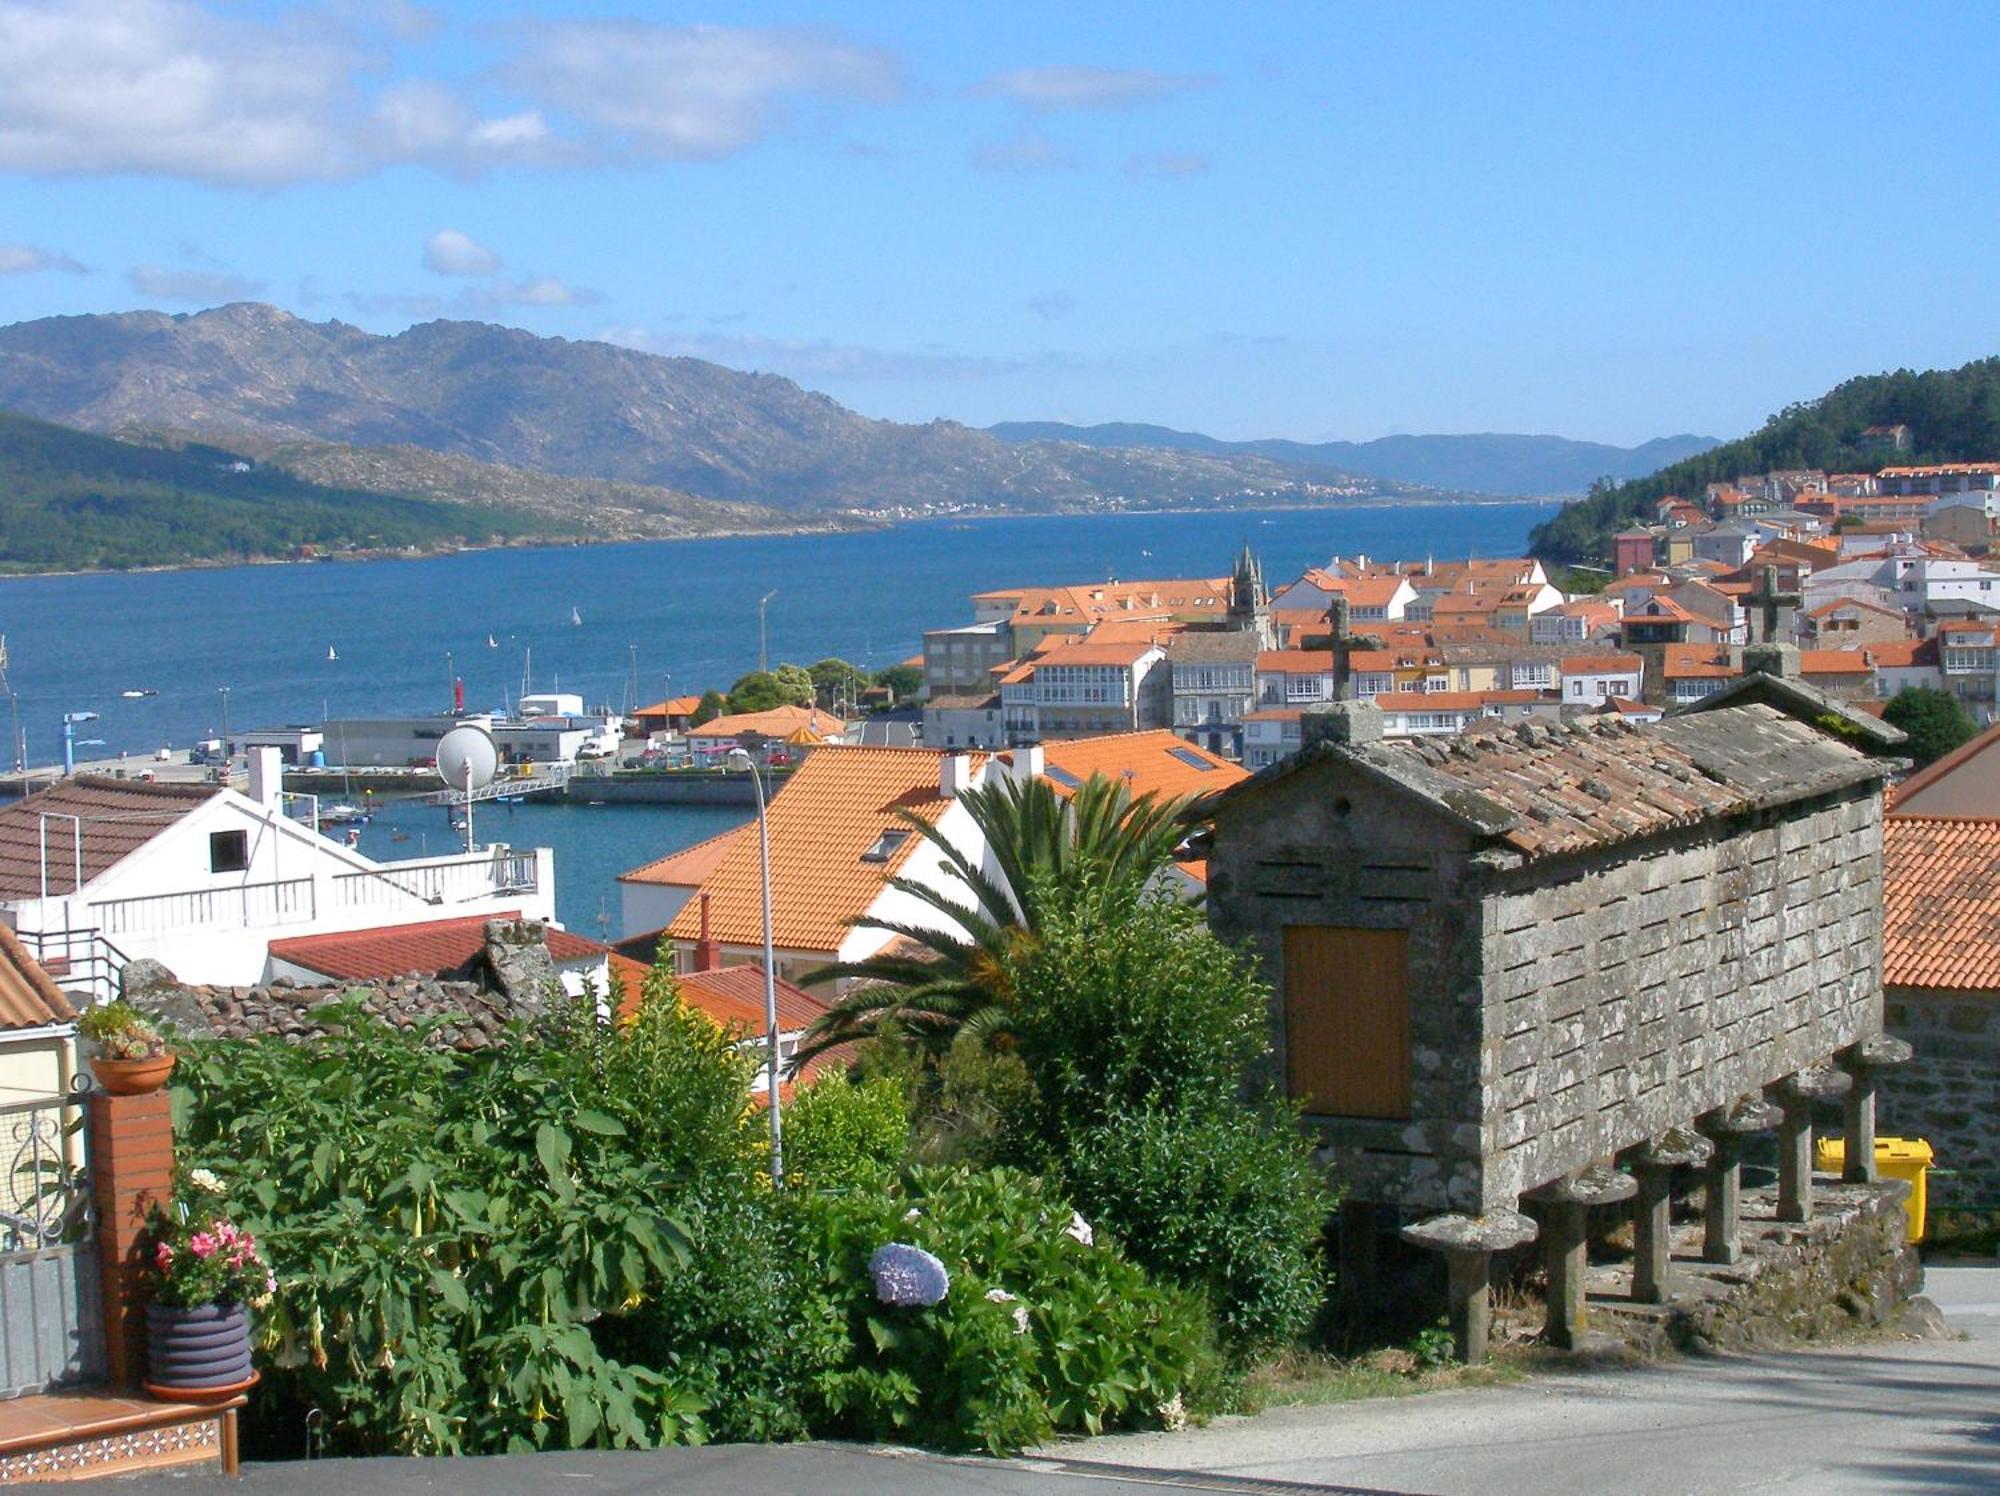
[139, 695]
[331, 653]
[491, 642]
[575, 618]
[342, 813]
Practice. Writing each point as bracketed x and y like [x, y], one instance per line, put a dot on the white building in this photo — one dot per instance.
[1087, 689]
[1294, 677]
[95, 872]
[1270, 735]
[1597, 678]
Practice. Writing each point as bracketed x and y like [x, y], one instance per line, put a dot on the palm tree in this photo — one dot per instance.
[1099, 846]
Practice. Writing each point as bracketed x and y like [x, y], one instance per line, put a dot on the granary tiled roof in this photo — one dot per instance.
[1546, 790]
[1941, 902]
[92, 820]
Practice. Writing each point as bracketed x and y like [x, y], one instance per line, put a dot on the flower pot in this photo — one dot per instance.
[132, 1077]
[197, 1352]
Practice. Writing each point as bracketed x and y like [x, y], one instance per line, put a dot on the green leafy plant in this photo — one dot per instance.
[201, 1256]
[1433, 1347]
[841, 1132]
[1046, 1326]
[121, 1032]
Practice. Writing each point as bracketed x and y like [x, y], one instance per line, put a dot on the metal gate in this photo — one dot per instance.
[51, 1306]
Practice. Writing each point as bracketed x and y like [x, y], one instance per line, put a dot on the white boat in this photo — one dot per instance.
[331, 654]
[341, 813]
[491, 642]
[575, 617]
[139, 695]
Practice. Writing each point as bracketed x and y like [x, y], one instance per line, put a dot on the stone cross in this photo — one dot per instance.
[1770, 599]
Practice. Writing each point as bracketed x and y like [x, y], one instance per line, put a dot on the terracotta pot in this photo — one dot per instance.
[132, 1077]
[197, 1352]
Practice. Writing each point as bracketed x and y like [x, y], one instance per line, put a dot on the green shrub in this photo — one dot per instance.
[1138, 1032]
[840, 1132]
[1040, 1333]
[458, 1237]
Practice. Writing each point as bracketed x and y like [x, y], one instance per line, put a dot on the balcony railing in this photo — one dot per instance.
[286, 901]
[441, 881]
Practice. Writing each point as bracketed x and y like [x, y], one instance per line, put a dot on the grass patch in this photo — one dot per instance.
[1303, 1379]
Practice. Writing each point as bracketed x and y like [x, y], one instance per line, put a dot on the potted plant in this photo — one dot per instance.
[131, 1058]
[206, 1276]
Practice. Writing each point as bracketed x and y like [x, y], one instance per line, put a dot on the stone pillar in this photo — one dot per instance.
[1794, 1096]
[1864, 1062]
[1653, 1166]
[1566, 1206]
[131, 1162]
[1727, 1127]
[1468, 1244]
[1356, 1278]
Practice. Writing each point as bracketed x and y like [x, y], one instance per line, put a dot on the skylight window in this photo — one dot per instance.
[885, 846]
[1192, 759]
[1062, 777]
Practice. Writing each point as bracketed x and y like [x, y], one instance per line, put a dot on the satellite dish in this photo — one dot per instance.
[467, 758]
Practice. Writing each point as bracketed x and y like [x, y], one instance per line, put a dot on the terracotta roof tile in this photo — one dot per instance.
[1150, 763]
[835, 807]
[687, 867]
[29, 997]
[1296, 662]
[117, 817]
[430, 948]
[1941, 902]
[778, 722]
[732, 995]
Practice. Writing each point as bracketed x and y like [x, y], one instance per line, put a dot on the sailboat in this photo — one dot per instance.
[331, 653]
[491, 642]
[575, 618]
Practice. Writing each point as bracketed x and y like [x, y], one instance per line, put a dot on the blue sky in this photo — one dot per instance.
[1309, 220]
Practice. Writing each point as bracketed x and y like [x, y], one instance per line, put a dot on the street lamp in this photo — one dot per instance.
[223, 691]
[69, 726]
[740, 759]
[763, 653]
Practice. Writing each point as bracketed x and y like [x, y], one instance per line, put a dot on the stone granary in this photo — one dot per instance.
[1504, 961]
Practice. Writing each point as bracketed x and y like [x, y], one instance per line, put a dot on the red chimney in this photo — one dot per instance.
[707, 954]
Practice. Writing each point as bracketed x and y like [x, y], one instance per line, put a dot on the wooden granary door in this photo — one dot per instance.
[1347, 1020]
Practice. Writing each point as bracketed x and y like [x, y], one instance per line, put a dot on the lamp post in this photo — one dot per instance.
[223, 692]
[69, 725]
[740, 759]
[763, 653]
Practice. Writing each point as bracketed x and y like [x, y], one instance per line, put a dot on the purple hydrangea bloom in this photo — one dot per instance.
[908, 1276]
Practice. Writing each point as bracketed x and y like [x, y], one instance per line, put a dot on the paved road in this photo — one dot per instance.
[1886, 1416]
[1882, 1417]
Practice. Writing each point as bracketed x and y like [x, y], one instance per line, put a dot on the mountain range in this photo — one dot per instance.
[249, 374]
[1488, 462]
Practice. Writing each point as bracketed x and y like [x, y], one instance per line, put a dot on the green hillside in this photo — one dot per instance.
[70, 501]
[1953, 416]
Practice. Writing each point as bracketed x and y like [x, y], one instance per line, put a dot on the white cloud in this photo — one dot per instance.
[1028, 150]
[163, 87]
[692, 93]
[1167, 164]
[26, 259]
[536, 290]
[1048, 89]
[450, 252]
[205, 286]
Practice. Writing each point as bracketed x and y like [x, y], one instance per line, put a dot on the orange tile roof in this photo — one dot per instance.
[732, 995]
[29, 997]
[1661, 609]
[1597, 664]
[1825, 610]
[834, 808]
[1697, 662]
[1942, 470]
[778, 722]
[116, 817]
[1901, 653]
[1941, 902]
[673, 706]
[1134, 631]
[1833, 662]
[434, 946]
[1276, 714]
[1150, 763]
[1090, 652]
[687, 867]
[1371, 592]
[1296, 661]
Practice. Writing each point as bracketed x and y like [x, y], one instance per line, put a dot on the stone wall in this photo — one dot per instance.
[1629, 994]
[1949, 1094]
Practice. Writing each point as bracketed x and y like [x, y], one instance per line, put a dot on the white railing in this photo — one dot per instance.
[286, 901]
[83, 963]
[441, 881]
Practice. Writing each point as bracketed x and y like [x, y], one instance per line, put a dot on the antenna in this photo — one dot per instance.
[467, 759]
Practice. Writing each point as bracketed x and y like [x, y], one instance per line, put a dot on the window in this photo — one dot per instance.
[1347, 1020]
[1062, 777]
[1192, 759]
[885, 846]
[228, 851]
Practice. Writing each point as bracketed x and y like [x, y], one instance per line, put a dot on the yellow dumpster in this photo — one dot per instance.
[1895, 1158]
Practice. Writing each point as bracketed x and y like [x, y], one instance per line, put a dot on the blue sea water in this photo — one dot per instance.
[688, 608]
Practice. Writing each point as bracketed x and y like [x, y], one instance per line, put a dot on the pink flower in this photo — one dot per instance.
[203, 1245]
[163, 1257]
[270, 1282]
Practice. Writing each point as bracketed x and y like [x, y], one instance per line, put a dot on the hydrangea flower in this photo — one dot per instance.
[205, 1179]
[908, 1276]
[1079, 1228]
